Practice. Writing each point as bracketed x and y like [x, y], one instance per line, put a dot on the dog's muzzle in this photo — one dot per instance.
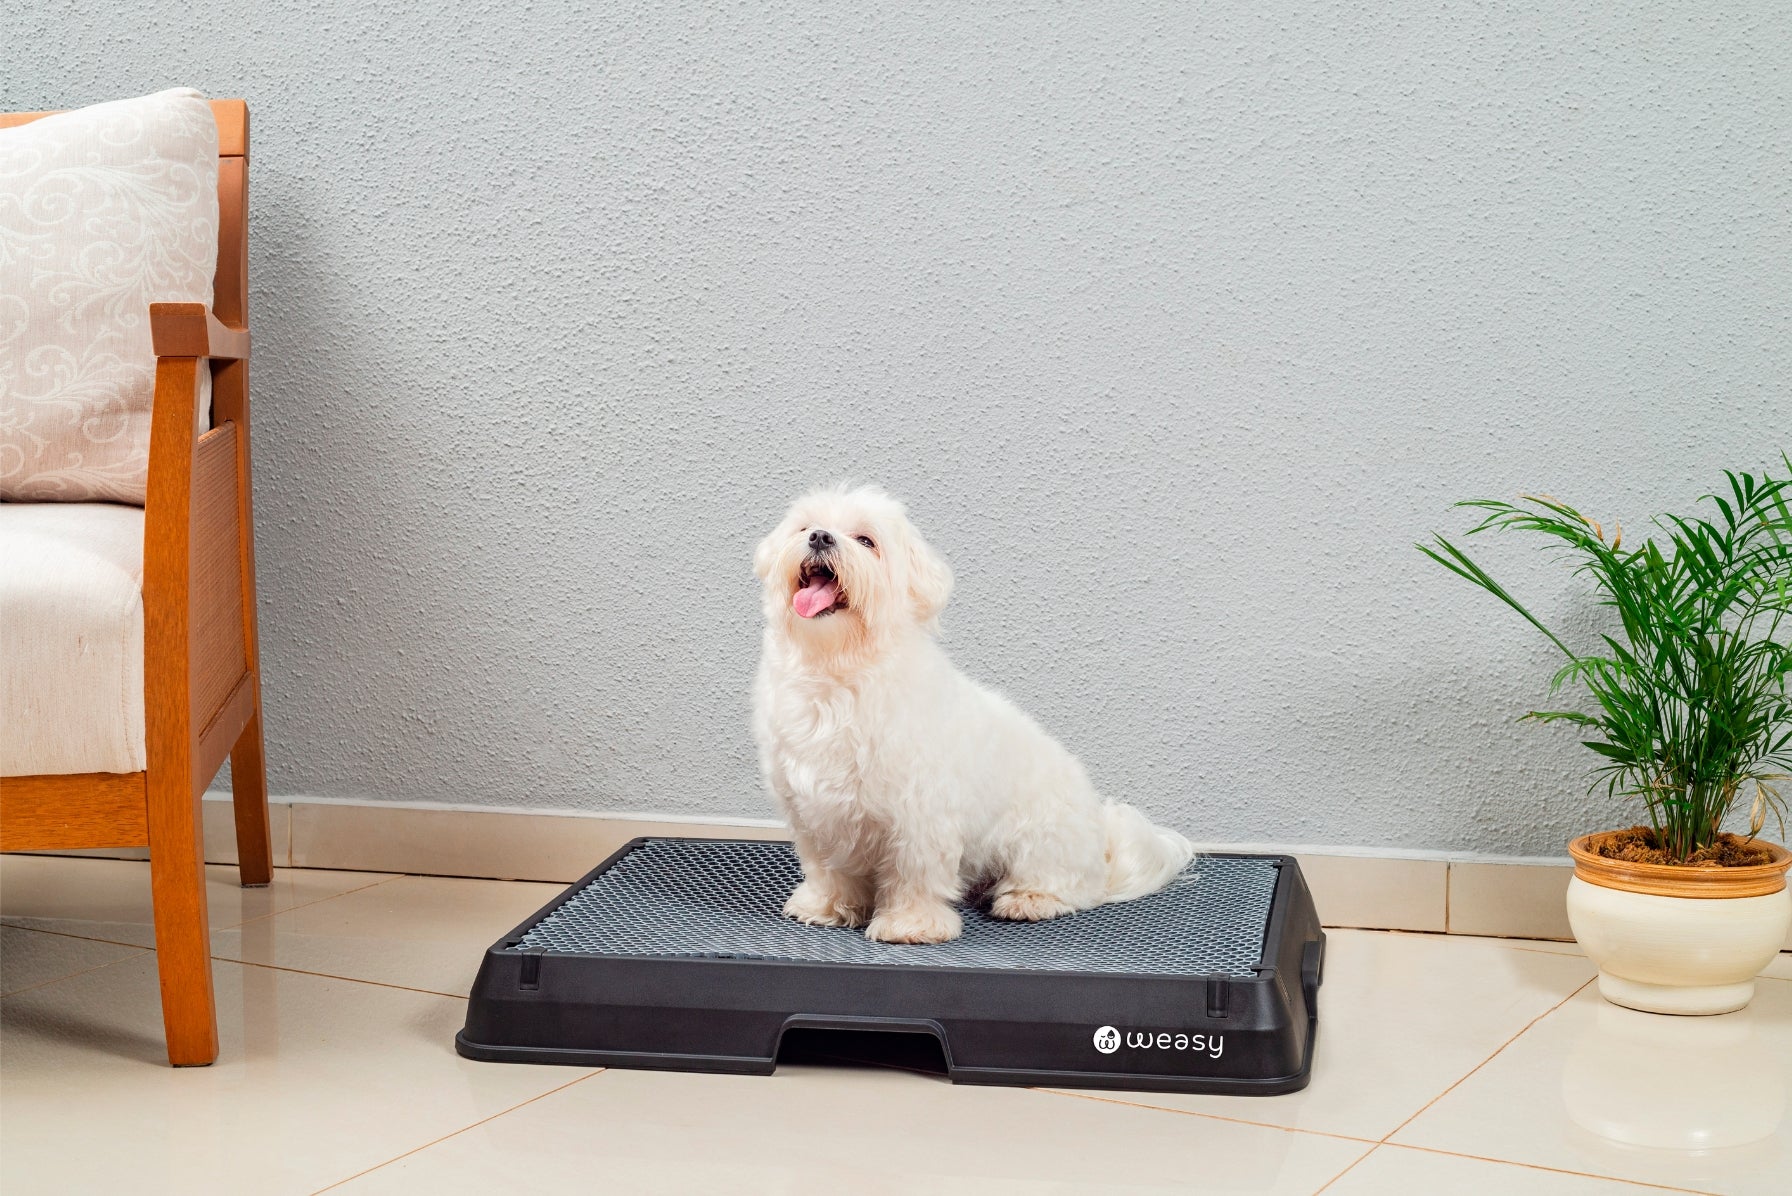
[818, 589]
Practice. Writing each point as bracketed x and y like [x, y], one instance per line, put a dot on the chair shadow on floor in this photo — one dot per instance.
[97, 1035]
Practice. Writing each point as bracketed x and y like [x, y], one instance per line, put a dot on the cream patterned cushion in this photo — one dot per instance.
[103, 211]
[71, 638]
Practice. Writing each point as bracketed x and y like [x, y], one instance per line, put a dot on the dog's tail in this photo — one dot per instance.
[1142, 858]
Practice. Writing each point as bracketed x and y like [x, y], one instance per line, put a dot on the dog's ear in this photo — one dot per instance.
[766, 555]
[929, 579]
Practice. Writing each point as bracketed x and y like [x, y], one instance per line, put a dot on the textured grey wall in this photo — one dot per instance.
[1176, 326]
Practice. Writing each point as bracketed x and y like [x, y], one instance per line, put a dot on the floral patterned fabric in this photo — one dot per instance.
[103, 211]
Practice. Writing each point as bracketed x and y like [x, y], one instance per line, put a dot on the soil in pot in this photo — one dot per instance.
[1637, 845]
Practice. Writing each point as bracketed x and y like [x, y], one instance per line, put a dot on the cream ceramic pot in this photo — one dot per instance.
[1678, 940]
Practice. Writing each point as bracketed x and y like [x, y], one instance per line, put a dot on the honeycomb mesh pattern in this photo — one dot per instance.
[721, 899]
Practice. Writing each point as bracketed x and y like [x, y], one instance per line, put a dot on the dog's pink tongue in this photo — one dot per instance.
[815, 597]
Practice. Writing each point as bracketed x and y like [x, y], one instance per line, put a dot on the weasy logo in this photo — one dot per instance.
[1108, 1040]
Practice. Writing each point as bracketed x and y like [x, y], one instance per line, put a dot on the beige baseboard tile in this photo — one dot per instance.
[1526, 901]
[1377, 892]
[1358, 888]
[1370, 891]
[1515, 901]
[485, 843]
[220, 836]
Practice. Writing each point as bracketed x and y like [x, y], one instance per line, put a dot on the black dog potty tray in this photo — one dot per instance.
[673, 954]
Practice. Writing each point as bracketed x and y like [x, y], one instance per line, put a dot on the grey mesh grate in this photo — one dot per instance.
[698, 899]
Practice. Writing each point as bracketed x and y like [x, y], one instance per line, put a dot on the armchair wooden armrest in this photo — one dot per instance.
[190, 330]
[199, 561]
[202, 691]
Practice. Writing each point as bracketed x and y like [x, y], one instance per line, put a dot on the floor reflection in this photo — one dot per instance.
[1690, 1089]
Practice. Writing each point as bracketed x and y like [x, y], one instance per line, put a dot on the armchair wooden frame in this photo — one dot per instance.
[202, 681]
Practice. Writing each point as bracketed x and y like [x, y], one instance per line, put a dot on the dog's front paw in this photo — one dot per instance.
[915, 924]
[1029, 907]
[815, 906]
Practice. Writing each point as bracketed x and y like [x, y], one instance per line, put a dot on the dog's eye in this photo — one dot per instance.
[867, 542]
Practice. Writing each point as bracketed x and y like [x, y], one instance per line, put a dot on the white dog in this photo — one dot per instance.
[906, 783]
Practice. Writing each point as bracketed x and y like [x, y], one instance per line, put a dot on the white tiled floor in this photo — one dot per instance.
[1444, 1065]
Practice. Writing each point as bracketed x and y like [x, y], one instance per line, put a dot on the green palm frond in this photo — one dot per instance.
[1691, 706]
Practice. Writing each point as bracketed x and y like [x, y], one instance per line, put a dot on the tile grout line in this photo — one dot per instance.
[1267, 1125]
[138, 951]
[1504, 940]
[1487, 1158]
[384, 880]
[274, 967]
[463, 1129]
[67, 934]
[308, 904]
[1540, 950]
[1490, 1058]
[1347, 1170]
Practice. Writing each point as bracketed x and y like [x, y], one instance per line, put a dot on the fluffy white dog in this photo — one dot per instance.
[906, 783]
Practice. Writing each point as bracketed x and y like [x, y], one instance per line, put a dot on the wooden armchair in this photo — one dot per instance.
[202, 689]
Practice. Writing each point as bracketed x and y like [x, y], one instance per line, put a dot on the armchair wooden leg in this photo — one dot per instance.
[249, 796]
[183, 948]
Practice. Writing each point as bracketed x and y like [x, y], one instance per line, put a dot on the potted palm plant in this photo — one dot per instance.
[1688, 711]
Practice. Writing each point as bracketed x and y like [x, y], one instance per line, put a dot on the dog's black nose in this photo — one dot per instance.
[821, 541]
